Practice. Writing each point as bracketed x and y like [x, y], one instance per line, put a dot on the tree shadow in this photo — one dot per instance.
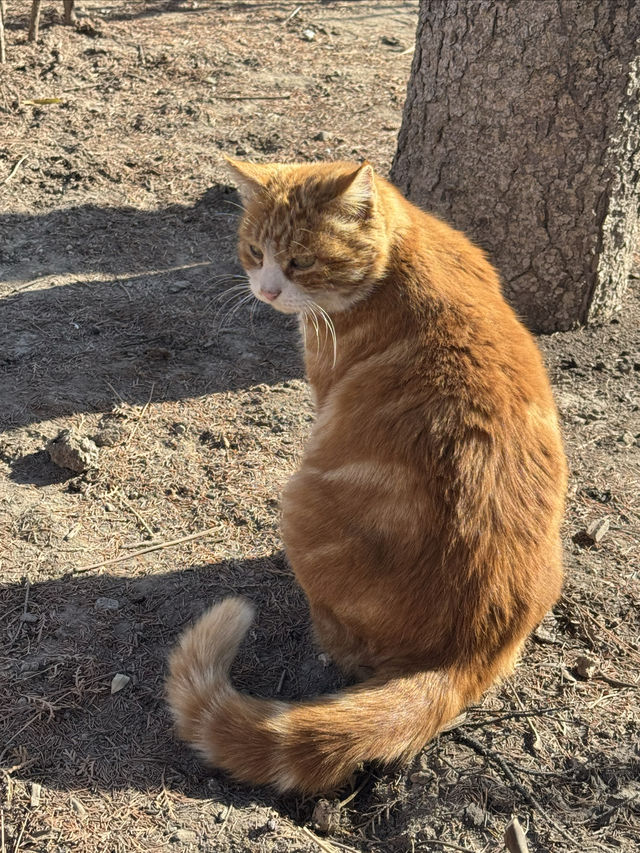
[64, 640]
[104, 304]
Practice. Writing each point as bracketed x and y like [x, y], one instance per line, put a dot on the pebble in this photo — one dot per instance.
[78, 808]
[597, 530]
[308, 35]
[474, 815]
[326, 816]
[184, 836]
[119, 681]
[322, 136]
[106, 604]
[28, 617]
[36, 790]
[628, 438]
[586, 667]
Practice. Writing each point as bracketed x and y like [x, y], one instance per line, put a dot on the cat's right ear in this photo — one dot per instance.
[250, 177]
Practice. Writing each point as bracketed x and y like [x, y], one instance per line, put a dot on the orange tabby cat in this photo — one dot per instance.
[423, 523]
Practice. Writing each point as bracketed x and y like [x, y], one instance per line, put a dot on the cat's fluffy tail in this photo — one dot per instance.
[309, 746]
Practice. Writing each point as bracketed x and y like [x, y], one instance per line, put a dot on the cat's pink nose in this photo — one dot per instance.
[270, 293]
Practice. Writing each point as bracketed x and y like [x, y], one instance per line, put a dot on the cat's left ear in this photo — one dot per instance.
[357, 191]
[251, 177]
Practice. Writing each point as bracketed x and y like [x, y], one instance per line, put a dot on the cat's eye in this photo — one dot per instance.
[304, 262]
[256, 252]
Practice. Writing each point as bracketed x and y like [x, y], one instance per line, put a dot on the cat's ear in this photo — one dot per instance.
[251, 177]
[357, 191]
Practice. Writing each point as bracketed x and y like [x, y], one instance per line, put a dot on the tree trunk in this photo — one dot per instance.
[522, 128]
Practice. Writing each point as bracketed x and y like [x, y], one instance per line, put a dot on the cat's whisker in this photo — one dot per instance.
[309, 311]
[229, 291]
[332, 331]
[226, 296]
[226, 275]
[230, 304]
[228, 317]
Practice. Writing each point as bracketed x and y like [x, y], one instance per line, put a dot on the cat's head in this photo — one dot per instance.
[310, 234]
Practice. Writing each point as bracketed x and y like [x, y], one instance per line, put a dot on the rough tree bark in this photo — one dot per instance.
[522, 127]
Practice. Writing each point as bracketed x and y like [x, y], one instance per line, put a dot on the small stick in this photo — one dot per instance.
[19, 838]
[3, 52]
[322, 844]
[535, 712]
[135, 512]
[156, 547]
[352, 796]
[69, 14]
[502, 765]
[34, 23]
[253, 97]
[537, 740]
[8, 178]
[140, 416]
[293, 14]
[26, 595]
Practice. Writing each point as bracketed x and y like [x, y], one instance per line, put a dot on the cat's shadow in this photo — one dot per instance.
[57, 709]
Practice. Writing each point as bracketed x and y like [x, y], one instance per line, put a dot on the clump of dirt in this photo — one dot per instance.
[72, 451]
[120, 322]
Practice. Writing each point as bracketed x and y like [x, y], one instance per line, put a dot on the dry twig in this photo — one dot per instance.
[155, 547]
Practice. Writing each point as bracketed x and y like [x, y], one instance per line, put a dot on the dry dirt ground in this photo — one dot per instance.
[117, 320]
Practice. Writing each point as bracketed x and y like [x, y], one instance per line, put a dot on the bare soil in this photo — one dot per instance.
[118, 322]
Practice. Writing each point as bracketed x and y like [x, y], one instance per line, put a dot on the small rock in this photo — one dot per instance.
[628, 438]
[543, 636]
[322, 136]
[308, 35]
[326, 816]
[78, 808]
[106, 604]
[272, 824]
[118, 682]
[73, 451]
[514, 837]
[184, 836]
[28, 617]
[177, 286]
[586, 667]
[392, 41]
[324, 659]
[597, 530]
[474, 815]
